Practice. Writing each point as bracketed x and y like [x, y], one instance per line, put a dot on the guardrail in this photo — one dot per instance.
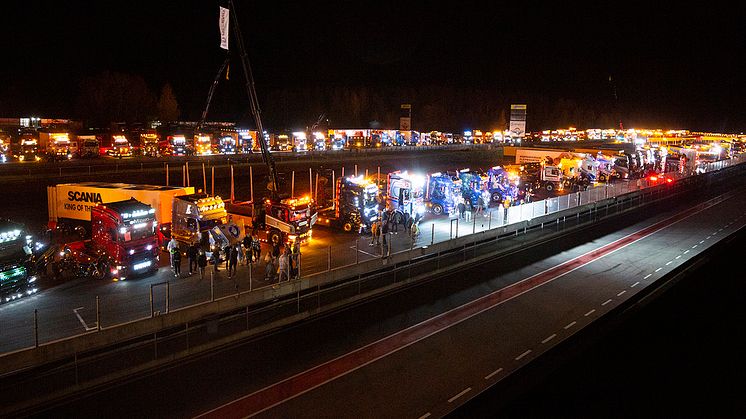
[371, 273]
[78, 167]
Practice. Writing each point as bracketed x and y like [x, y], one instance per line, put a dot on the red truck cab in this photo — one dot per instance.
[126, 232]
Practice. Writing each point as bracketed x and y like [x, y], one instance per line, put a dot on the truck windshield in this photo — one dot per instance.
[298, 215]
[369, 199]
[11, 253]
[137, 233]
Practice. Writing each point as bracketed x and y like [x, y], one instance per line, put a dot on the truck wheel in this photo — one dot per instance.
[347, 226]
[437, 209]
[549, 186]
[602, 178]
[496, 197]
[275, 237]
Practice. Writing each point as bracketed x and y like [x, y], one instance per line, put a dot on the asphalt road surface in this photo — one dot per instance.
[419, 354]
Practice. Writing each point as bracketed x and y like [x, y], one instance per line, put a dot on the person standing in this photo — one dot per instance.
[269, 269]
[172, 246]
[467, 210]
[192, 254]
[295, 258]
[232, 260]
[256, 247]
[201, 263]
[373, 232]
[176, 258]
[284, 261]
[461, 209]
[480, 206]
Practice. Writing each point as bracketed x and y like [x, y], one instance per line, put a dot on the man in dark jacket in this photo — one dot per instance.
[232, 261]
[192, 255]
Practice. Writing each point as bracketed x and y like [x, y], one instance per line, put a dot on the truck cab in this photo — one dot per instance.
[203, 144]
[88, 146]
[473, 186]
[500, 186]
[59, 146]
[300, 142]
[319, 141]
[405, 193]
[339, 142]
[16, 268]
[176, 145]
[149, 143]
[126, 234]
[443, 194]
[227, 144]
[356, 204]
[29, 149]
[120, 146]
[194, 215]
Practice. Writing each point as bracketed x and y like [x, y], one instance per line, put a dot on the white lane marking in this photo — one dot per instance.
[518, 358]
[590, 312]
[701, 241]
[570, 325]
[493, 373]
[363, 251]
[606, 302]
[85, 326]
[678, 257]
[459, 395]
[647, 276]
[694, 247]
[686, 251]
[720, 229]
[426, 415]
[708, 237]
[621, 292]
[658, 269]
[549, 338]
[715, 233]
[635, 284]
[669, 262]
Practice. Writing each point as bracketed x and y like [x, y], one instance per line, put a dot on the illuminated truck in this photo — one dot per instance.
[278, 221]
[319, 141]
[88, 146]
[300, 142]
[176, 145]
[195, 214]
[149, 143]
[16, 268]
[227, 144]
[28, 148]
[120, 146]
[124, 240]
[406, 194]
[443, 193]
[203, 144]
[56, 144]
[246, 140]
[355, 205]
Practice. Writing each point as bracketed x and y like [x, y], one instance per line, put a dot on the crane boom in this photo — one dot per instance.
[211, 92]
[254, 103]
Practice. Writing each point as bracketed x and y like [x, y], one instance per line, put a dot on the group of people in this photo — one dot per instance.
[386, 223]
[282, 261]
[247, 252]
[466, 210]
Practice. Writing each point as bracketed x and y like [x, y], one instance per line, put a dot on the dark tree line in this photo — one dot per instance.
[117, 97]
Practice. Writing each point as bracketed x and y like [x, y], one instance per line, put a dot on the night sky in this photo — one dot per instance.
[675, 67]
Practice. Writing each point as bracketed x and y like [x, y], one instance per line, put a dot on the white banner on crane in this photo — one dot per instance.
[223, 24]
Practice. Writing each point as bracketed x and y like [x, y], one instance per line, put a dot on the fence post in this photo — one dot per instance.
[357, 250]
[168, 295]
[250, 266]
[432, 234]
[151, 301]
[36, 328]
[329, 259]
[212, 285]
[98, 314]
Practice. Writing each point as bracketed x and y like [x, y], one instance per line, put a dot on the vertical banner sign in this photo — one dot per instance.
[405, 118]
[223, 23]
[517, 121]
